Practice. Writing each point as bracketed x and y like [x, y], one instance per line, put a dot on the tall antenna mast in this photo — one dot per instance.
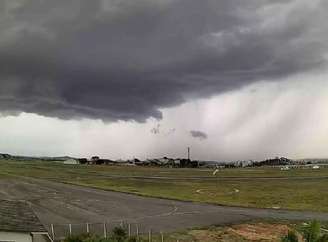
[188, 153]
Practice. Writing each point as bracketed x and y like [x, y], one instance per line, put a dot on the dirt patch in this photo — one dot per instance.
[242, 232]
[260, 231]
[247, 232]
[215, 235]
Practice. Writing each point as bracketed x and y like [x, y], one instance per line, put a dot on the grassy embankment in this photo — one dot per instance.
[293, 193]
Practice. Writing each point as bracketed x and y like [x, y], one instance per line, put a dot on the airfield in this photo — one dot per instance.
[57, 203]
[163, 199]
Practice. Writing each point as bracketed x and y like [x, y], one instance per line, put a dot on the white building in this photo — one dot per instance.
[285, 168]
[315, 167]
[71, 162]
[18, 223]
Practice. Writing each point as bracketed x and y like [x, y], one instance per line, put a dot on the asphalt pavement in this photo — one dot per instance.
[58, 203]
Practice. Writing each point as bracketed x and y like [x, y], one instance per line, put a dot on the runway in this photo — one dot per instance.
[58, 203]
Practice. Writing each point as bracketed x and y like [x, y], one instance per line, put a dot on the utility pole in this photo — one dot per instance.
[188, 153]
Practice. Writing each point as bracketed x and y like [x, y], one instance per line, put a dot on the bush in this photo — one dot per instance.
[323, 238]
[82, 238]
[290, 237]
[118, 234]
[311, 233]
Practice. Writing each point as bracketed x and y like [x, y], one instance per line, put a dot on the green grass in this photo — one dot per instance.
[294, 194]
[300, 194]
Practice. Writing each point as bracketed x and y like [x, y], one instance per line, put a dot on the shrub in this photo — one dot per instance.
[290, 237]
[82, 238]
[118, 234]
[311, 233]
[323, 238]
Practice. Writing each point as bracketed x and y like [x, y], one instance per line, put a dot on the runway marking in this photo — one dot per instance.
[173, 211]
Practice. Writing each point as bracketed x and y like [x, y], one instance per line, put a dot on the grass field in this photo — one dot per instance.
[292, 192]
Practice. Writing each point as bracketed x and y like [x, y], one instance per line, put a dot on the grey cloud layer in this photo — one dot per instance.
[198, 134]
[124, 60]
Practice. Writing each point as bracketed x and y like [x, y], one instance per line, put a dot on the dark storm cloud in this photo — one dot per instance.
[124, 60]
[198, 134]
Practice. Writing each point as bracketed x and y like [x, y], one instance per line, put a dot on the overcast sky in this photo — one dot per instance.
[232, 79]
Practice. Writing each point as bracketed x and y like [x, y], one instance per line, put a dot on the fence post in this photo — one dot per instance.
[105, 231]
[137, 231]
[70, 229]
[88, 228]
[149, 236]
[52, 232]
[162, 237]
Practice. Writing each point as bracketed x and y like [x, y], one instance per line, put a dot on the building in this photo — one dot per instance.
[5, 156]
[19, 223]
[71, 162]
[94, 160]
[285, 168]
[83, 161]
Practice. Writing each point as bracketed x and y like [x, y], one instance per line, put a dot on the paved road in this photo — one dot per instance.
[57, 203]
